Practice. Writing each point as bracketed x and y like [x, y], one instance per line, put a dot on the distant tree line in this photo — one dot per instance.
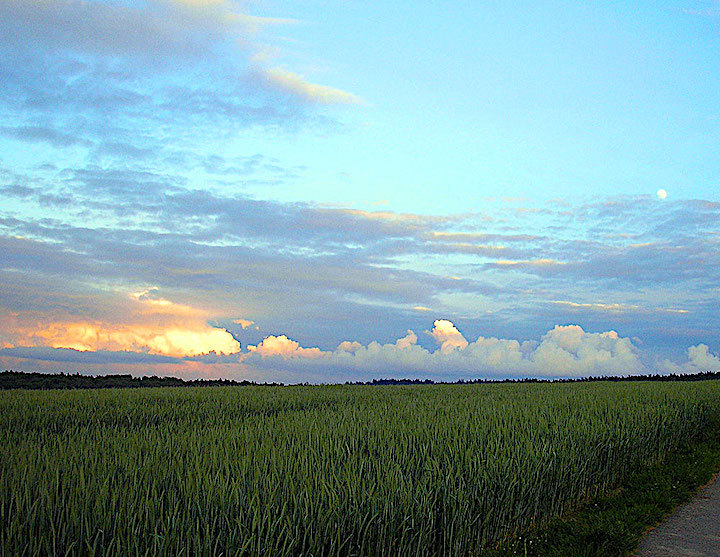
[34, 380]
[23, 380]
[702, 376]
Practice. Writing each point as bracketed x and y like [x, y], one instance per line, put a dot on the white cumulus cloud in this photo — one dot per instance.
[564, 351]
[699, 359]
[284, 347]
[447, 336]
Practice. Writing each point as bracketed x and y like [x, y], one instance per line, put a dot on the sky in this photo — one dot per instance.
[338, 191]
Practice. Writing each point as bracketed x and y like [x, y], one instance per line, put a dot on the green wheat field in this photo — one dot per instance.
[322, 470]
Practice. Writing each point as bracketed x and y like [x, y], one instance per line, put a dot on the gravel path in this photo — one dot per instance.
[693, 530]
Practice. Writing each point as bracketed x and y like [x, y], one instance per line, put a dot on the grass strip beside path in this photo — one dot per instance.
[615, 524]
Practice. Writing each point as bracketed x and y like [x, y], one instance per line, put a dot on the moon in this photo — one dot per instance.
[662, 194]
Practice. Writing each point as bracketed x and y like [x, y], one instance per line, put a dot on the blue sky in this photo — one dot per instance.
[280, 190]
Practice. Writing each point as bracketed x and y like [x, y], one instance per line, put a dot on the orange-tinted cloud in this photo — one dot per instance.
[147, 323]
[297, 85]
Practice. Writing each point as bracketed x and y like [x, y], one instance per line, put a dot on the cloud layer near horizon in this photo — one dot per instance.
[261, 273]
[564, 351]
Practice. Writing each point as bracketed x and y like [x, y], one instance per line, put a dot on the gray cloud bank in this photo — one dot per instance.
[320, 274]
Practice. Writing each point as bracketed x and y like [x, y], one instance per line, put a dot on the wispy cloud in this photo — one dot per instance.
[706, 8]
[297, 85]
[179, 28]
[43, 134]
[615, 307]
[178, 65]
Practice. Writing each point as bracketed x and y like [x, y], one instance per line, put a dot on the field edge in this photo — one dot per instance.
[616, 523]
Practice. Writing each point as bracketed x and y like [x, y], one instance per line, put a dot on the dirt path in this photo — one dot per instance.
[693, 530]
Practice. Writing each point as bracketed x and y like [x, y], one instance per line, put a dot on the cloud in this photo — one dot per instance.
[295, 84]
[183, 67]
[158, 28]
[322, 275]
[466, 237]
[597, 306]
[102, 357]
[526, 264]
[569, 349]
[349, 346]
[143, 322]
[699, 359]
[262, 243]
[447, 336]
[42, 134]
[615, 307]
[96, 27]
[407, 341]
[284, 347]
[564, 351]
[705, 9]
